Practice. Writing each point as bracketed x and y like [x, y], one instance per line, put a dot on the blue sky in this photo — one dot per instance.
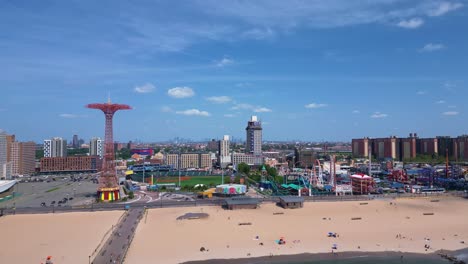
[311, 70]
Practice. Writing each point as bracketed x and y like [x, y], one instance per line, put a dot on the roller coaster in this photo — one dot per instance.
[311, 182]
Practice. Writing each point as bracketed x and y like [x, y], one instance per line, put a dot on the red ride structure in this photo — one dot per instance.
[108, 189]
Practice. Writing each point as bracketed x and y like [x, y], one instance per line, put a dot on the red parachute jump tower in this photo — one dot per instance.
[108, 185]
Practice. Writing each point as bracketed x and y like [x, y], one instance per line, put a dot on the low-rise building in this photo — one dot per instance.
[71, 164]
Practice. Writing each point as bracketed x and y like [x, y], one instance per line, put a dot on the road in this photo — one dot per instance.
[116, 246]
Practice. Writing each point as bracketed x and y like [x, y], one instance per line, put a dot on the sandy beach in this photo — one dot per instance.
[384, 225]
[67, 237]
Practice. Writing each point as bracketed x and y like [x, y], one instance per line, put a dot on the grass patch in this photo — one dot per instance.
[53, 189]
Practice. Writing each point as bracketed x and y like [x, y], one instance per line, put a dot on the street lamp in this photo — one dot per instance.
[74, 192]
[179, 165]
[143, 172]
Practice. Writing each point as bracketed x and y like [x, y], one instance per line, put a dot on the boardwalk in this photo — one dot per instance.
[115, 248]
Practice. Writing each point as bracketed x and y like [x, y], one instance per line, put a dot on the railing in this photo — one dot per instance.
[105, 237]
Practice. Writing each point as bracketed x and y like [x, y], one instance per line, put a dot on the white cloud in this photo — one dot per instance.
[229, 115]
[262, 110]
[242, 107]
[443, 8]
[315, 105]
[421, 92]
[181, 92]
[431, 47]
[440, 102]
[193, 112]
[452, 106]
[411, 23]
[257, 33]
[145, 88]
[70, 116]
[166, 109]
[224, 62]
[219, 99]
[378, 115]
[356, 112]
[450, 113]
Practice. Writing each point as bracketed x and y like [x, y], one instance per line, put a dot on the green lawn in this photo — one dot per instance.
[206, 180]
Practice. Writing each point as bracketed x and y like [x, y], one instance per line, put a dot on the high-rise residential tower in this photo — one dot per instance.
[55, 147]
[254, 137]
[3, 153]
[23, 158]
[224, 155]
[96, 147]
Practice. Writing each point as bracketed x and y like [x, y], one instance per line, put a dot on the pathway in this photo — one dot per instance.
[115, 248]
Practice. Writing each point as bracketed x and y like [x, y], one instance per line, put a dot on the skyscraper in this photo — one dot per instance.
[96, 147]
[75, 142]
[254, 137]
[55, 147]
[224, 155]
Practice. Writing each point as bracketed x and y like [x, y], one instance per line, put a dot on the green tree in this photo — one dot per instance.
[124, 153]
[271, 170]
[77, 152]
[243, 168]
[39, 153]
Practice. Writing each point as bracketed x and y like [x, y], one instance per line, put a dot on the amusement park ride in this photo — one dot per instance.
[311, 182]
[109, 189]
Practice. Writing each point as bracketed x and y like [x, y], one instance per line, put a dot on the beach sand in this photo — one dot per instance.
[161, 237]
[67, 237]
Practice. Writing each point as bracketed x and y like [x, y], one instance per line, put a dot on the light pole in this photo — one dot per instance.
[33, 188]
[143, 173]
[179, 165]
[74, 192]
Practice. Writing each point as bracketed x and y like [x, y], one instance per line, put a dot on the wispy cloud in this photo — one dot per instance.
[378, 115]
[193, 112]
[145, 88]
[450, 113]
[411, 23]
[259, 33]
[262, 110]
[224, 62]
[432, 47]
[166, 109]
[440, 102]
[315, 105]
[71, 116]
[421, 92]
[356, 112]
[443, 8]
[229, 115]
[256, 109]
[452, 106]
[181, 92]
[219, 99]
[242, 106]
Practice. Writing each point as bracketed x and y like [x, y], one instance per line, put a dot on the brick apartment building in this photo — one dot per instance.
[406, 148]
[71, 164]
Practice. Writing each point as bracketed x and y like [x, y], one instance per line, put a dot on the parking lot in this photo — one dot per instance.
[60, 190]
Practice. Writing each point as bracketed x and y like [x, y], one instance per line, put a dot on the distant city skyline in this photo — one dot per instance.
[311, 71]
